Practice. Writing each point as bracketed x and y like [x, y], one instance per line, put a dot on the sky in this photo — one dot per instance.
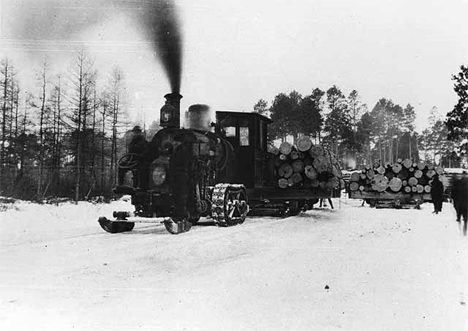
[237, 52]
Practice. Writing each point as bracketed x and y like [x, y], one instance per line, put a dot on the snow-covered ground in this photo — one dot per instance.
[351, 268]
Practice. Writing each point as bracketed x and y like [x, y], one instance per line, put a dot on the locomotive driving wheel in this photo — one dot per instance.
[229, 204]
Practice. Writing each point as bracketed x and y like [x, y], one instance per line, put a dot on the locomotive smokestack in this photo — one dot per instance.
[170, 112]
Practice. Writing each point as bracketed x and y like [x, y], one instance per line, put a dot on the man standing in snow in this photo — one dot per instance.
[460, 199]
[437, 191]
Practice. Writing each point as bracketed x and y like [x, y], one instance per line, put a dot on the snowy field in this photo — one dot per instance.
[351, 268]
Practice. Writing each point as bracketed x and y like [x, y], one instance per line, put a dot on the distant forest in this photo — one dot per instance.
[357, 135]
[65, 139]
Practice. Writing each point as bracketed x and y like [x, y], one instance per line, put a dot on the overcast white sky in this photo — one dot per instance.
[236, 52]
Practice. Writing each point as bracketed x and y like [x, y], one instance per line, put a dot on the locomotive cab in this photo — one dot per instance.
[247, 133]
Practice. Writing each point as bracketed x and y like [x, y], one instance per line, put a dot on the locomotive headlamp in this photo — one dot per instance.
[159, 175]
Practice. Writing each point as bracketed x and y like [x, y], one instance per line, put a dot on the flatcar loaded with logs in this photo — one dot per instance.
[223, 170]
[402, 184]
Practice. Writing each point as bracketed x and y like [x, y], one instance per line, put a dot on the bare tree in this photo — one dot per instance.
[42, 115]
[115, 95]
[83, 77]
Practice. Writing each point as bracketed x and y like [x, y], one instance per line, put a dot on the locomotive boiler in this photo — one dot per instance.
[216, 169]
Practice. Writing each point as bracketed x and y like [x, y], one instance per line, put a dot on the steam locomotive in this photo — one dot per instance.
[220, 170]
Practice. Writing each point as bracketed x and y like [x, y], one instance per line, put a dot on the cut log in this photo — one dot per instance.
[304, 143]
[283, 183]
[412, 181]
[407, 163]
[296, 178]
[298, 166]
[355, 176]
[420, 188]
[322, 164]
[286, 170]
[310, 172]
[404, 182]
[430, 173]
[395, 184]
[354, 186]
[421, 165]
[427, 188]
[361, 188]
[379, 183]
[396, 168]
[407, 189]
[418, 174]
[362, 176]
[283, 157]
[414, 189]
[294, 155]
[380, 170]
[316, 151]
[285, 148]
[430, 166]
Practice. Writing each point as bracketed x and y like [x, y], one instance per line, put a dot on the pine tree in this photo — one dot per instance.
[457, 119]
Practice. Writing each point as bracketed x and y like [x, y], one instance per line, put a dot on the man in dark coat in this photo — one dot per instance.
[460, 199]
[181, 177]
[437, 191]
[137, 160]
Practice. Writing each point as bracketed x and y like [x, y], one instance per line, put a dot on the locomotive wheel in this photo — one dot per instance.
[115, 227]
[194, 219]
[204, 207]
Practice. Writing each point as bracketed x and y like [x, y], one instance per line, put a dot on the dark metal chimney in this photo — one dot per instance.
[170, 112]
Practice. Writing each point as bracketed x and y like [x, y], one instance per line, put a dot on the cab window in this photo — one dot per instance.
[244, 136]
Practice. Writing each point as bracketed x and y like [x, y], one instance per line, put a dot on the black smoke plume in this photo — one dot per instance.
[162, 25]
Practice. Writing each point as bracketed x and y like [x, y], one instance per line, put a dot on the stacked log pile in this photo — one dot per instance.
[305, 165]
[403, 176]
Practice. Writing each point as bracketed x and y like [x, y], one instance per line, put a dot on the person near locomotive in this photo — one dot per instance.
[459, 197]
[180, 176]
[437, 192]
[137, 145]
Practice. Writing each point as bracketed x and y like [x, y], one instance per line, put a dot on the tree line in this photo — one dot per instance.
[63, 139]
[358, 136]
